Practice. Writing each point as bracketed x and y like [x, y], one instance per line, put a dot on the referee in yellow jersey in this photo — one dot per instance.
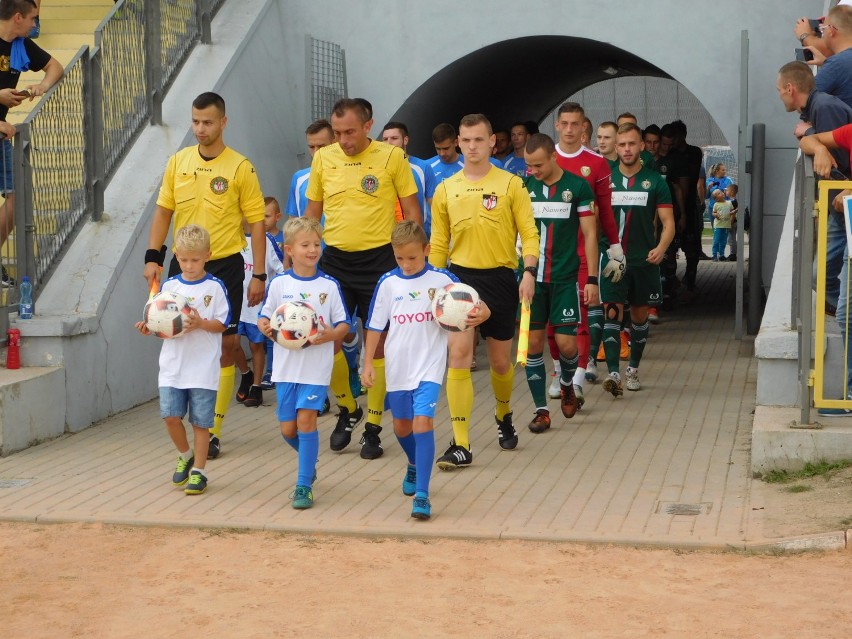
[479, 212]
[215, 187]
[356, 183]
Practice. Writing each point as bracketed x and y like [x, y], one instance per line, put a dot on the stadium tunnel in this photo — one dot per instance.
[518, 79]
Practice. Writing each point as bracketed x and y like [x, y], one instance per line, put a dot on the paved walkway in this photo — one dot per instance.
[666, 465]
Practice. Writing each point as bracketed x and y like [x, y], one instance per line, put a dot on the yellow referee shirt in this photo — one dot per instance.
[359, 193]
[215, 194]
[483, 219]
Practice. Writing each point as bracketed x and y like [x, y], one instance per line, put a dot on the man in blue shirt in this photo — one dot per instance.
[396, 133]
[318, 134]
[835, 73]
[514, 162]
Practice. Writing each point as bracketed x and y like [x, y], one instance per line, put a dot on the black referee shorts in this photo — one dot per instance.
[358, 272]
[231, 270]
[498, 287]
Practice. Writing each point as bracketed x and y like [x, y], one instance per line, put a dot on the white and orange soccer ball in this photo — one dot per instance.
[451, 305]
[164, 314]
[293, 324]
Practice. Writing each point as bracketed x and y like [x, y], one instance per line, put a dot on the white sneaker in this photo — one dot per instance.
[612, 385]
[632, 375]
[592, 371]
[554, 392]
[578, 393]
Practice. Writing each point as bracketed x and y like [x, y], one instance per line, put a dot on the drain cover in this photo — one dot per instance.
[678, 508]
[14, 483]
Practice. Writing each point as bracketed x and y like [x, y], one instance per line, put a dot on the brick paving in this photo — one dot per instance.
[629, 470]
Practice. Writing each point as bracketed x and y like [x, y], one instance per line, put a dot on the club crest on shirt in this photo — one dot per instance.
[646, 184]
[207, 300]
[586, 171]
[567, 195]
[489, 201]
[431, 293]
[369, 184]
[323, 297]
[219, 185]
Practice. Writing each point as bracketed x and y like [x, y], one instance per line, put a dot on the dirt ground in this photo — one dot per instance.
[91, 580]
[823, 505]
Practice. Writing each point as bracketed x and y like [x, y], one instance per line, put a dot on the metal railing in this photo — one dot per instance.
[812, 205]
[70, 146]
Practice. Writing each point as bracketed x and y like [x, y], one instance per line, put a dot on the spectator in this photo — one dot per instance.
[835, 74]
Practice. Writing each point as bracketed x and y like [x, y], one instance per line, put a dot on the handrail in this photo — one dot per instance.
[70, 146]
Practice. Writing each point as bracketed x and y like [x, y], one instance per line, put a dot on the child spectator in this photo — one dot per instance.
[189, 366]
[415, 354]
[271, 219]
[722, 216]
[731, 194]
[302, 376]
[250, 392]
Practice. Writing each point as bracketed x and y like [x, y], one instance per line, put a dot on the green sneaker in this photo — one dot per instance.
[303, 497]
[181, 475]
[197, 483]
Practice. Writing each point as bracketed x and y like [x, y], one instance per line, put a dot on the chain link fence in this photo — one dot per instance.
[71, 144]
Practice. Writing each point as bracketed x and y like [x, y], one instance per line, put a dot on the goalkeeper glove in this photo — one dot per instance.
[616, 265]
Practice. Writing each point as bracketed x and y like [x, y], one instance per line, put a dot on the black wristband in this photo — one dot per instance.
[532, 270]
[261, 277]
[153, 255]
[592, 279]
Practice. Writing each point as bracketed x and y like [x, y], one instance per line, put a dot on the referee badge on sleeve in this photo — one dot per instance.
[489, 201]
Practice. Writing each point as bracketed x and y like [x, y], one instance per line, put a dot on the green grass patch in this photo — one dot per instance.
[798, 488]
[811, 469]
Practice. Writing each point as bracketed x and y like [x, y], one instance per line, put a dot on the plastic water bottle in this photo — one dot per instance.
[26, 310]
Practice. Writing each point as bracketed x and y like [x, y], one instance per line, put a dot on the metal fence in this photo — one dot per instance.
[811, 314]
[71, 144]
[327, 73]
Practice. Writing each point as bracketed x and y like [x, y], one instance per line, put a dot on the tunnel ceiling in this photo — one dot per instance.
[519, 79]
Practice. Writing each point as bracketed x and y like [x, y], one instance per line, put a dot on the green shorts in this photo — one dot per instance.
[640, 286]
[557, 303]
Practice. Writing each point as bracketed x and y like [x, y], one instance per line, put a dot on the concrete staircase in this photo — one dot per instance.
[65, 27]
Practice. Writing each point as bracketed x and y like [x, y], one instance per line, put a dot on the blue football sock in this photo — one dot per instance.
[408, 446]
[308, 453]
[293, 442]
[424, 459]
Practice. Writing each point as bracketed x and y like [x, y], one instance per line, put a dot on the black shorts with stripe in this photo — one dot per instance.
[358, 272]
[231, 270]
[498, 287]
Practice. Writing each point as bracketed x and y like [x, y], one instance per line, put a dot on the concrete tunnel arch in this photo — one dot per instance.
[521, 78]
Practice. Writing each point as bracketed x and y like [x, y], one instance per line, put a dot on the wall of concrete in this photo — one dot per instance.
[258, 62]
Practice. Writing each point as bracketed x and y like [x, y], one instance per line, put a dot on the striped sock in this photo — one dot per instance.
[638, 337]
[612, 345]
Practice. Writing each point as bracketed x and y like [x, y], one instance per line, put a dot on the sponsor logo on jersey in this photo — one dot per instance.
[399, 298]
[629, 198]
[567, 312]
[312, 397]
[207, 300]
[370, 184]
[414, 294]
[567, 195]
[551, 210]
[413, 318]
[654, 296]
[586, 171]
[288, 296]
[219, 185]
[431, 293]
[646, 184]
[323, 297]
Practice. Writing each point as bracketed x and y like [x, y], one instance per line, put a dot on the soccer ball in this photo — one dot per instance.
[451, 305]
[164, 314]
[293, 323]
